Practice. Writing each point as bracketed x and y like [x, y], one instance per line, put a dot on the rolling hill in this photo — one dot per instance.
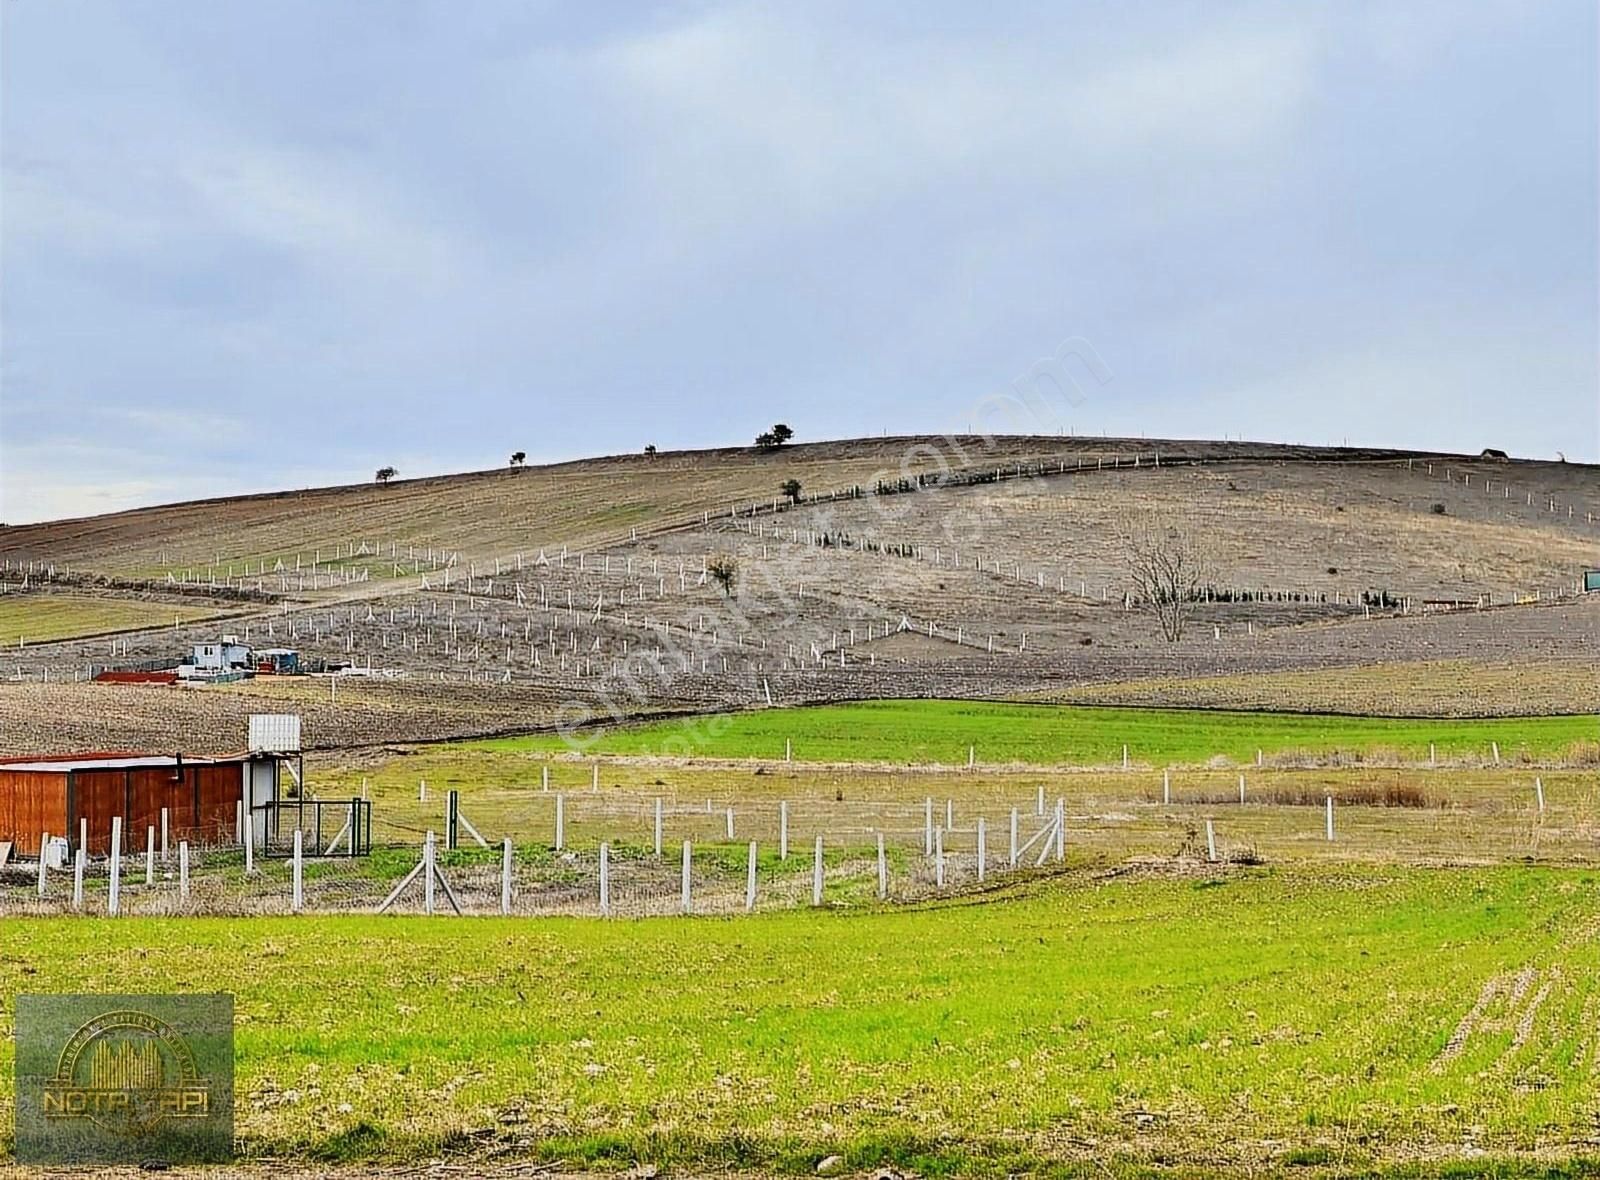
[919, 566]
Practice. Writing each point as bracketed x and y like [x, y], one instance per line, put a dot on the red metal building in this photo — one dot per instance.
[76, 796]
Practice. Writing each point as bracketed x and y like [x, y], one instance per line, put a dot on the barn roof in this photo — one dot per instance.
[114, 760]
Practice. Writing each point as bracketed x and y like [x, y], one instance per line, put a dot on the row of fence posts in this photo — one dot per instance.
[1127, 763]
[686, 876]
[245, 831]
[1050, 839]
[80, 861]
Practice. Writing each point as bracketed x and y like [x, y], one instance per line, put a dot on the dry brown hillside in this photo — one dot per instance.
[1431, 584]
[581, 504]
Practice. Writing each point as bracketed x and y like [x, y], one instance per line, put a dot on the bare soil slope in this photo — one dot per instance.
[994, 570]
[581, 504]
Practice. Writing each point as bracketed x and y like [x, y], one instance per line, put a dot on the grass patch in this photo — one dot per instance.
[1277, 1013]
[1527, 686]
[932, 731]
[43, 618]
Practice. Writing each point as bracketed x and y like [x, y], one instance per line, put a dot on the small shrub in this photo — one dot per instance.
[1308, 1157]
[1584, 753]
[1438, 509]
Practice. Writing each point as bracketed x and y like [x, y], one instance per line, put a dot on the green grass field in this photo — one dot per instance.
[1049, 735]
[41, 618]
[1180, 1025]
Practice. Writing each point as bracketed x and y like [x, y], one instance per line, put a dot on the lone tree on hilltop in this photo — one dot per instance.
[518, 458]
[724, 570]
[650, 450]
[791, 488]
[385, 474]
[771, 440]
[1168, 571]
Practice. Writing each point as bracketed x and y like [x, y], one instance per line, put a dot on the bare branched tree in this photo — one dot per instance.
[724, 570]
[1168, 570]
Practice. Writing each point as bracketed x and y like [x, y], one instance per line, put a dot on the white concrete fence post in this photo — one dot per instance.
[44, 853]
[561, 822]
[1038, 807]
[605, 880]
[1211, 843]
[249, 842]
[166, 857]
[114, 895]
[927, 827]
[427, 874]
[150, 854]
[783, 831]
[1330, 818]
[730, 823]
[299, 872]
[1011, 855]
[750, 879]
[183, 870]
[938, 857]
[883, 871]
[1166, 788]
[1061, 829]
[657, 828]
[1538, 790]
[505, 875]
[688, 855]
[816, 875]
[983, 850]
[77, 878]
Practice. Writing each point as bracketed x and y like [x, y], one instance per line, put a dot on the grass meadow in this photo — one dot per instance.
[42, 618]
[1341, 1019]
[1481, 815]
[942, 732]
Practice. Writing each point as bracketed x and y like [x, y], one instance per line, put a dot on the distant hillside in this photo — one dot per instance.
[581, 504]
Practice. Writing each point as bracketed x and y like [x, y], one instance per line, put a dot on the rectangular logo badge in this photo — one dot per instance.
[124, 1079]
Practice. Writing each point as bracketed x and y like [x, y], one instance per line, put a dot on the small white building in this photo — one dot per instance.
[226, 656]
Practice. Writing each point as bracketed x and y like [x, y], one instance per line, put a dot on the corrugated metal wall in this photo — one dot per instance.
[201, 805]
[31, 802]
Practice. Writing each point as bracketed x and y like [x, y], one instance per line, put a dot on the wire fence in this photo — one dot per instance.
[621, 853]
[623, 880]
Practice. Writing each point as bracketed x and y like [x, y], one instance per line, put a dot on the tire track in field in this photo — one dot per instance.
[1511, 1002]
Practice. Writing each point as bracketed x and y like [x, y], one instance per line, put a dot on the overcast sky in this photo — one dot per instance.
[249, 245]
